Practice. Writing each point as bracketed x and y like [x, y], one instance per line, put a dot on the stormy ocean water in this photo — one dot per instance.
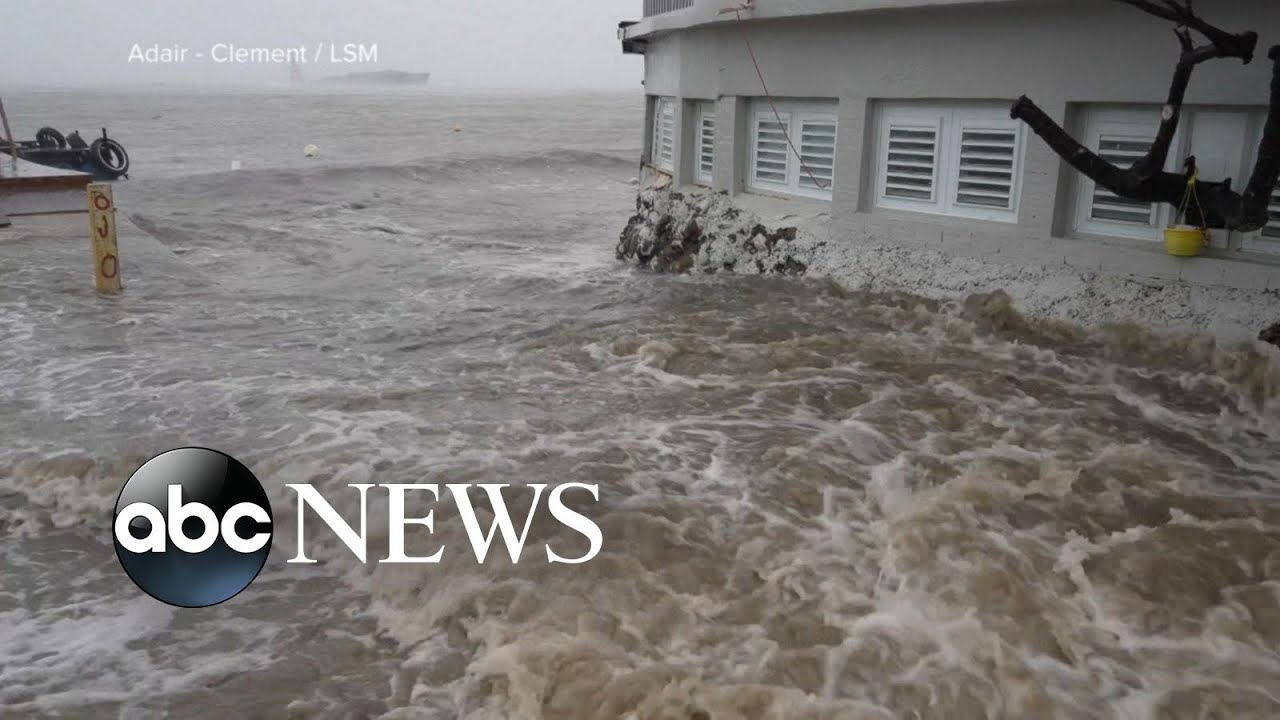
[816, 503]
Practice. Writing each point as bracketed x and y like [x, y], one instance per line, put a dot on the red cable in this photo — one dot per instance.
[742, 26]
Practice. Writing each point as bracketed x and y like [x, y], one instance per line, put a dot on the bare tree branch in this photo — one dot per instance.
[1146, 180]
[1240, 45]
[1156, 157]
[1266, 168]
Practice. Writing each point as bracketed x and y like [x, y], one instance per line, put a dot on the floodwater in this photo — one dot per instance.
[815, 504]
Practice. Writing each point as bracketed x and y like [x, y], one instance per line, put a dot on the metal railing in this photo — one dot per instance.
[658, 7]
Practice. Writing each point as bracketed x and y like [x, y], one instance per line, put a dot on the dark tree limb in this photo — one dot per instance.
[1239, 45]
[1219, 206]
[1266, 168]
[1155, 159]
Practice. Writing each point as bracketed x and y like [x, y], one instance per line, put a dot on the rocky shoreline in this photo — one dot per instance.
[674, 232]
[708, 232]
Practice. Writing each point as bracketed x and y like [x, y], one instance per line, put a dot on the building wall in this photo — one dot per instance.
[1062, 54]
[1085, 51]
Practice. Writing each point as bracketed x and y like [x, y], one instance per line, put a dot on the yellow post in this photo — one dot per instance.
[102, 233]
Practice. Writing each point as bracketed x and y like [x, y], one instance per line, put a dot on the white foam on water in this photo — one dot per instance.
[94, 641]
[815, 504]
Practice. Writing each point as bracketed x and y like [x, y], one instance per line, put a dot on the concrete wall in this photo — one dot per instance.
[1085, 51]
[1061, 54]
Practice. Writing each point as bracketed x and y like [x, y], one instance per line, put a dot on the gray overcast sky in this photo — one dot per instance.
[463, 43]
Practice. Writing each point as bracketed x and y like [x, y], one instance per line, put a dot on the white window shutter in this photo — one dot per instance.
[706, 142]
[771, 151]
[668, 134]
[957, 158]
[911, 162]
[987, 167]
[1122, 151]
[817, 154]
[793, 150]
[655, 142]
[664, 133]
[1272, 230]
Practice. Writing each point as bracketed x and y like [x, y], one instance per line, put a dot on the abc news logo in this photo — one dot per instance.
[193, 527]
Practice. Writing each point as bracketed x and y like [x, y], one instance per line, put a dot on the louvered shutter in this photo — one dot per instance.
[771, 151]
[655, 141]
[962, 159]
[664, 123]
[817, 154]
[911, 162]
[706, 142]
[793, 147]
[987, 167]
[1272, 230]
[1122, 151]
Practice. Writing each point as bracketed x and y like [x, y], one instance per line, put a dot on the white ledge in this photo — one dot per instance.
[712, 12]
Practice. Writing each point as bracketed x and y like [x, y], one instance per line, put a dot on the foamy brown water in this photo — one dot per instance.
[815, 503]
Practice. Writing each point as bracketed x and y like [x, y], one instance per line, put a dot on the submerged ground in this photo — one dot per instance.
[816, 503]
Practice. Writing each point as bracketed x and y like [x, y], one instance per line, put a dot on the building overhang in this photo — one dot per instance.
[715, 12]
[630, 46]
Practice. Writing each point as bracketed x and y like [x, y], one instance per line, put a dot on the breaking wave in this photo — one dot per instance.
[427, 171]
[816, 503]
[894, 507]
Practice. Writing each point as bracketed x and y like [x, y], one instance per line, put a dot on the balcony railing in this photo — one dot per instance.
[658, 7]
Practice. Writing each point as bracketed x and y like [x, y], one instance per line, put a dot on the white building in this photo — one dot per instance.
[899, 114]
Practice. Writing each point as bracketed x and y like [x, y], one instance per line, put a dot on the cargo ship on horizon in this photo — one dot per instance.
[381, 77]
[375, 78]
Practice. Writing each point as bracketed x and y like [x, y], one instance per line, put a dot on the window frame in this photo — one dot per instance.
[949, 121]
[793, 114]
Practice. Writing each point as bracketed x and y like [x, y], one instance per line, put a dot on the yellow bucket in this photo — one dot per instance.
[1183, 240]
